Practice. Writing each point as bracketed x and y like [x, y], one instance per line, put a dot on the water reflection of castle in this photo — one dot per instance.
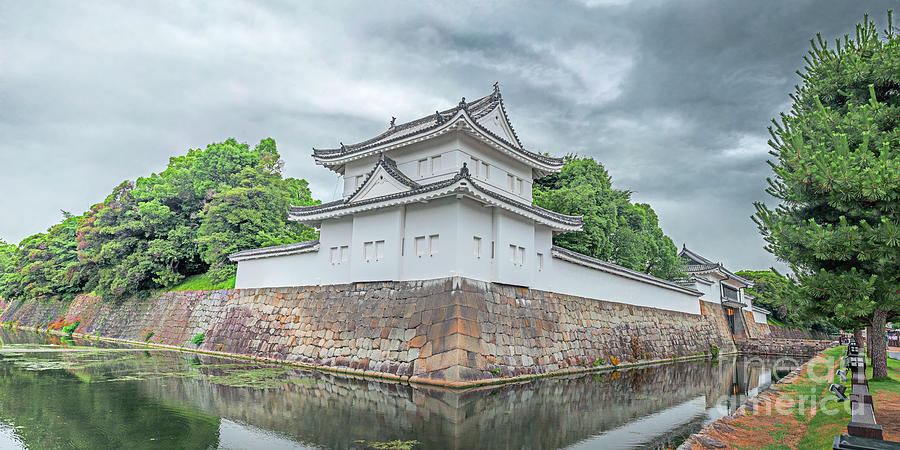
[649, 406]
[641, 406]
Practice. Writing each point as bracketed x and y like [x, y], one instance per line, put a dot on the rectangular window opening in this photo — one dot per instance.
[345, 253]
[423, 167]
[420, 245]
[435, 164]
[379, 250]
[540, 261]
[433, 244]
[368, 252]
[477, 246]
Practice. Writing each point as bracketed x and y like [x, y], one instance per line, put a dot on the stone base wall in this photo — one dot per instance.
[786, 347]
[451, 331]
[762, 330]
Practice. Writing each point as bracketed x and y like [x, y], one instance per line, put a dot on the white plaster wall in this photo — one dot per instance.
[280, 271]
[543, 243]
[500, 167]
[379, 225]
[710, 293]
[519, 232]
[570, 278]
[438, 217]
[473, 220]
[334, 233]
[455, 221]
[760, 317]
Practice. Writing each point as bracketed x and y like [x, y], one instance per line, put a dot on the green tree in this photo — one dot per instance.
[44, 264]
[837, 182]
[251, 213]
[152, 233]
[615, 229]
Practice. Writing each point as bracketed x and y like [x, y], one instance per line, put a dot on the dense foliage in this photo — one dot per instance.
[767, 288]
[152, 233]
[615, 229]
[837, 181]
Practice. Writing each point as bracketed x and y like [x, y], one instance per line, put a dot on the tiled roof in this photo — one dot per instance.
[390, 166]
[579, 257]
[277, 250]
[475, 109]
[696, 263]
[575, 221]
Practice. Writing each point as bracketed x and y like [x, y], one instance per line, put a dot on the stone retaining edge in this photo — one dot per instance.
[381, 376]
[697, 438]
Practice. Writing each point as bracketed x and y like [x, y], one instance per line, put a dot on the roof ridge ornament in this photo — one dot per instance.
[464, 171]
[496, 94]
[463, 105]
[343, 147]
[439, 117]
[393, 120]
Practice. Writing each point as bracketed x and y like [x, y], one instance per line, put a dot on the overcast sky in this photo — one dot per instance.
[672, 97]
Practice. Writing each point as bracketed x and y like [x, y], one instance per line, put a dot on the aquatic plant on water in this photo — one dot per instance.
[390, 445]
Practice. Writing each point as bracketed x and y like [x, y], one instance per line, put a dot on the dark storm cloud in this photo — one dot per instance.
[672, 97]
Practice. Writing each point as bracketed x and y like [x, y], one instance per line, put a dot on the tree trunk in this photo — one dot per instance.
[857, 336]
[869, 342]
[878, 341]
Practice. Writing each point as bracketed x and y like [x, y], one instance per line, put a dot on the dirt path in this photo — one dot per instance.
[778, 416]
[888, 413]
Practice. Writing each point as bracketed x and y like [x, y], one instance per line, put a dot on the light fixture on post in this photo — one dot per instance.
[838, 391]
[843, 374]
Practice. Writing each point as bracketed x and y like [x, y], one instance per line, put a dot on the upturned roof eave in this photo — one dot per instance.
[334, 157]
[315, 214]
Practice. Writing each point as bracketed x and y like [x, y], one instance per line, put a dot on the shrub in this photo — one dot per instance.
[148, 336]
[614, 360]
[198, 339]
[714, 350]
[70, 328]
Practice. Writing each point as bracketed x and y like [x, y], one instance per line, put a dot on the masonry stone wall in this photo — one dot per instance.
[451, 331]
[786, 347]
[763, 330]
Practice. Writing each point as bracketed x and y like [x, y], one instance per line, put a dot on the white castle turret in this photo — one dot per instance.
[448, 194]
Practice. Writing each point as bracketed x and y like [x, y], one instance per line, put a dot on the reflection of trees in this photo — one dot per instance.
[55, 409]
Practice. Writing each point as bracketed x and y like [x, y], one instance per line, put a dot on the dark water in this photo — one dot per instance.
[78, 394]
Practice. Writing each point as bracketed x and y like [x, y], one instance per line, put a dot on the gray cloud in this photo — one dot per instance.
[672, 97]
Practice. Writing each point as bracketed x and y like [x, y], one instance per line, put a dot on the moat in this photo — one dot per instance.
[62, 393]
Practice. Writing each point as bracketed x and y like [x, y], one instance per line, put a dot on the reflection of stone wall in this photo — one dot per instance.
[452, 330]
[776, 346]
[764, 330]
[334, 411]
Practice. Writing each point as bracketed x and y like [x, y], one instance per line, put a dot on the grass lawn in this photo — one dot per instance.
[802, 414]
[832, 418]
[202, 283]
